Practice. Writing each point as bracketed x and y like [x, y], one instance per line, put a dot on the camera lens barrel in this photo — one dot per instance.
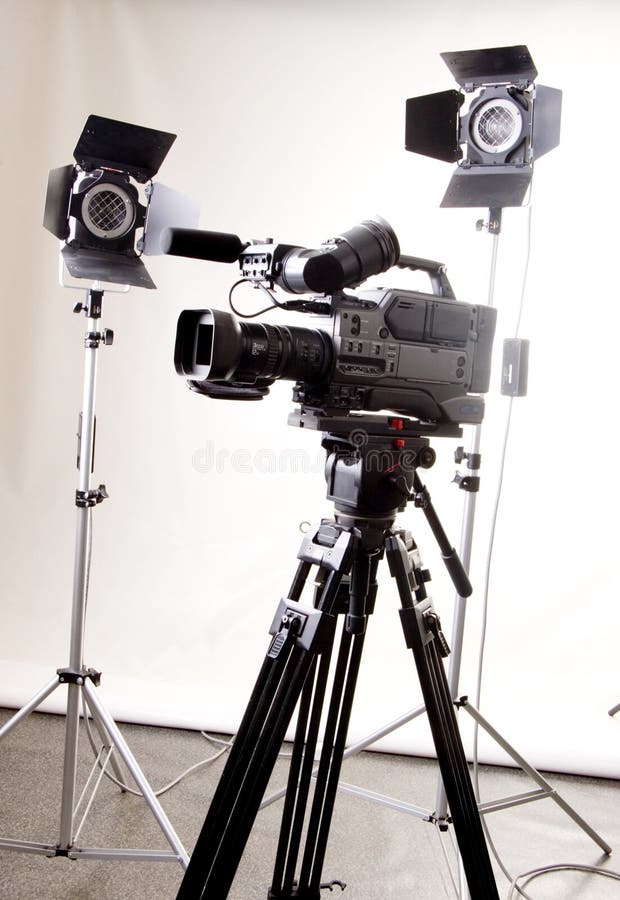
[212, 345]
[274, 351]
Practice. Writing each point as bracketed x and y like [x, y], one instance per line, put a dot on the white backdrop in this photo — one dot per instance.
[290, 119]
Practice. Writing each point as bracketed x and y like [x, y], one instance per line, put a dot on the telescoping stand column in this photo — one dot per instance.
[368, 483]
[80, 680]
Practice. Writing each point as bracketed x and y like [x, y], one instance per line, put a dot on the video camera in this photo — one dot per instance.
[415, 354]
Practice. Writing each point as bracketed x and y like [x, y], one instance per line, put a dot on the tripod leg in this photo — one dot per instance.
[300, 635]
[330, 765]
[363, 589]
[424, 638]
[362, 592]
[212, 849]
[300, 775]
[238, 760]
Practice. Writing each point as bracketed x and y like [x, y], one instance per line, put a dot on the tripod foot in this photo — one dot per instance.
[313, 895]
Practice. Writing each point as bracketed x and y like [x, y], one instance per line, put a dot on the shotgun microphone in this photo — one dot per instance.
[215, 246]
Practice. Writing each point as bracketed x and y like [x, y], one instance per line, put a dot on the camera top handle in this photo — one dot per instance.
[436, 271]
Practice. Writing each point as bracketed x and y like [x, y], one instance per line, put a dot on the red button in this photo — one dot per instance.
[397, 424]
[398, 443]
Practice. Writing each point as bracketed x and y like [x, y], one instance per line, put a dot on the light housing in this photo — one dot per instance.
[99, 210]
[508, 124]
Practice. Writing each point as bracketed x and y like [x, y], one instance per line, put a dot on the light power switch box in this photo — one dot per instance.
[515, 367]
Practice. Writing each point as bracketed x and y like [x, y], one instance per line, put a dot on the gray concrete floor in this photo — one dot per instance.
[381, 854]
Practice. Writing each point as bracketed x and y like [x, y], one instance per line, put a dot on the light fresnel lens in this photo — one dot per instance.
[108, 211]
[496, 126]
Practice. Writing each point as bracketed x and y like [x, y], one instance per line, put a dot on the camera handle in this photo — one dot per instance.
[436, 271]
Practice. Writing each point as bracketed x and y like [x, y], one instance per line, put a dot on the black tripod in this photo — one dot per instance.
[371, 474]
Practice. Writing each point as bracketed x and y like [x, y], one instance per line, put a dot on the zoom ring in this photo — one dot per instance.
[273, 350]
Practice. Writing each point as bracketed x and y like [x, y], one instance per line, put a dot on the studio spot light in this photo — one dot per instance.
[106, 208]
[508, 124]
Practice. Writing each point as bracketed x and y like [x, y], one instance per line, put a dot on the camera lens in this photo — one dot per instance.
[212, 345]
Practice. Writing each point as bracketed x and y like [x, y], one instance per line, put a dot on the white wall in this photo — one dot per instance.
[290, 119]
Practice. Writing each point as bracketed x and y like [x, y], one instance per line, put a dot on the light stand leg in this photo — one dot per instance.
[36, 701]
[547, 788]
[119, 742]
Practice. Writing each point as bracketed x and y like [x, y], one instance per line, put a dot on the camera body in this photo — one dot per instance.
[423, 355]
[408, 352]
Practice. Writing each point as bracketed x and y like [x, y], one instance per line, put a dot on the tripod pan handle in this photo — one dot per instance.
[457, 573]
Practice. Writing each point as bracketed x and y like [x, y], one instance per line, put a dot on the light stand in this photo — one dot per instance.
[81, 681]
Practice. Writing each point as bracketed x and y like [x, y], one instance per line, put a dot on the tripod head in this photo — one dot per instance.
[371, 474]
[371, 460]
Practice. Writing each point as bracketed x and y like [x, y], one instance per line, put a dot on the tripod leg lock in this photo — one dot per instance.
[423, 619]
[310, 628]
[434, 625]
[403, 549]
